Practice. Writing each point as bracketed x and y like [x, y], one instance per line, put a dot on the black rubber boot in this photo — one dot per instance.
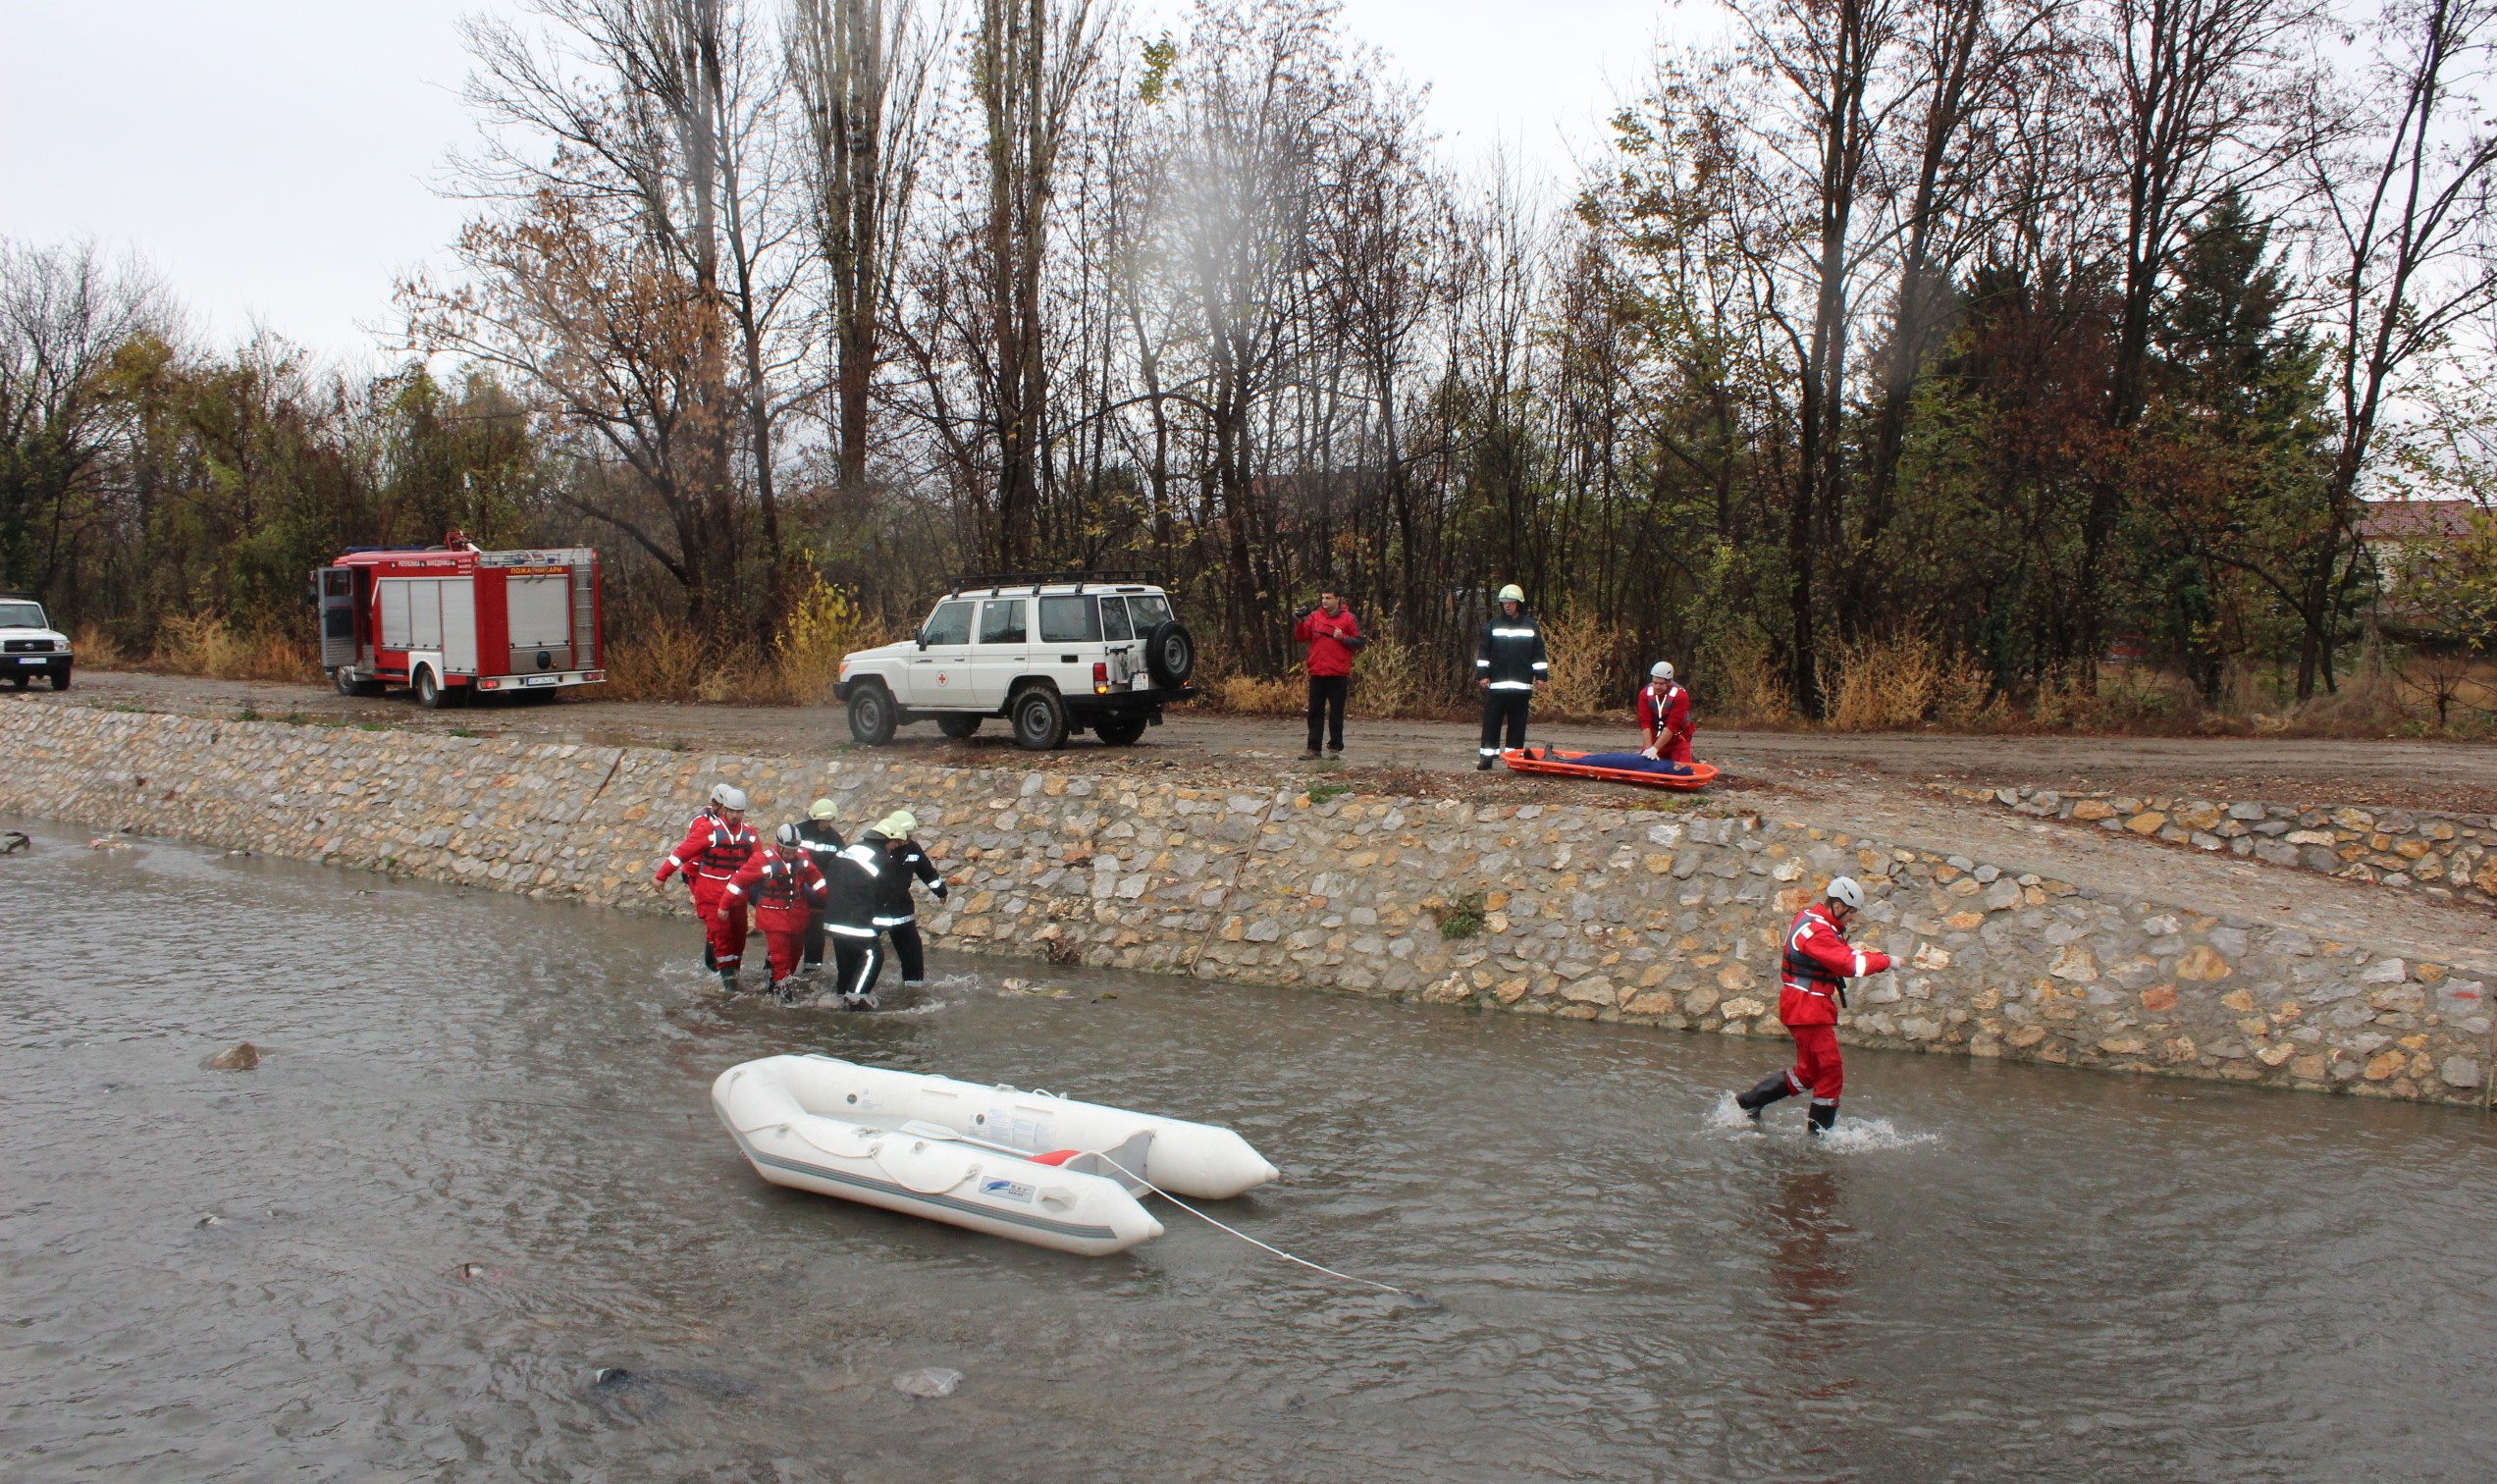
[1772, 1088]
[728, 979]
[1483, 767]
[1824, 1117]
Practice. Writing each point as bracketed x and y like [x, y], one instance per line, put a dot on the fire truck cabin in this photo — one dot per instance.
[447, 623]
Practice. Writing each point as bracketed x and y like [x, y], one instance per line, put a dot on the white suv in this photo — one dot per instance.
[1049, 654]
[29, 645]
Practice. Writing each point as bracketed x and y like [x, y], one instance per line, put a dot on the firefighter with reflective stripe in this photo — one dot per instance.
[854, 891]
[715, 848]
[784, 889]
[1816, 966]
[1663, 714]
[895, 915]
[821, 842]
[1510, 665]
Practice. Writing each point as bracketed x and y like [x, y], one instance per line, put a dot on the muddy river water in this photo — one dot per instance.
[477, 1166]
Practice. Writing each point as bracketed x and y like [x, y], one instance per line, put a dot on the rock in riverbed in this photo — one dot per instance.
[242, 1056]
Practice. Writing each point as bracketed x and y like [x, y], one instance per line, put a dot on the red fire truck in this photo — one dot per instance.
[449, 622]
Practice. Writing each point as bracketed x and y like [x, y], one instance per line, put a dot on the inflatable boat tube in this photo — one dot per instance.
[1028, 1166]
[1566, 765]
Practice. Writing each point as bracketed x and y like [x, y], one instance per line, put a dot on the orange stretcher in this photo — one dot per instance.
[1564, 764]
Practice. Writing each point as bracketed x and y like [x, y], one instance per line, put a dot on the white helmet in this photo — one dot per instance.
[1843, 891]
[786, 834]
[728, 797]
[1662, 669]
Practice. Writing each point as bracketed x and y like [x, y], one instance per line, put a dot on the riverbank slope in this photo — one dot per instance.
[1597, 912]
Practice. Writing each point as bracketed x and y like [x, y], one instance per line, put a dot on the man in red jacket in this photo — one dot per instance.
[1664, 712]
[716, 846]
[1332, 634]
[785, 888]
[1813, 976]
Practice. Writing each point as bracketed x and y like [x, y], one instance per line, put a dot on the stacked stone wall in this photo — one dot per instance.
[2446, 857]
[1668, 920]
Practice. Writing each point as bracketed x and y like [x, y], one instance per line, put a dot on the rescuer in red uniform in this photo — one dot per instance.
[784, 889]
[1817, 965]
[1332, 634]
[1664, 712]
[711, 855]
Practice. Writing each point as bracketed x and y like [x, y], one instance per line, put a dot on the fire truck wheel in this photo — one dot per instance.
[347, 687]
[431, 693]
[872, 717]
[1040, 718]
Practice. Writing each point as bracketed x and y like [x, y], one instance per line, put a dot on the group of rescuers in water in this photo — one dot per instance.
[808, 887]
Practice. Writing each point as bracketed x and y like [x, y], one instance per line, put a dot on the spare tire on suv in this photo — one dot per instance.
[1170, 654]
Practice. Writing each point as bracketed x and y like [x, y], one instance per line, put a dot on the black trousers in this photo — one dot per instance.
[814, 941]
[1326, 709]
[856, 963]
[909, 951]
[1508, 707]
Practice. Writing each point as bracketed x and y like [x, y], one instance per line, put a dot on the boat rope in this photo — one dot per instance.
[1315, 1267]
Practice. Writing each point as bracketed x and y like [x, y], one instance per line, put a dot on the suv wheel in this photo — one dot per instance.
[1120, 731]
[1040, 720]
[61, 678]
[1170, 654]
[871, 716]
[958, 727]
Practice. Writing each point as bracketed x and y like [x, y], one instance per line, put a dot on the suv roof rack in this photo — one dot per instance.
[1100, 576]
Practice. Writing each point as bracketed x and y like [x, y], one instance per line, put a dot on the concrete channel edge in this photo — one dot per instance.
[1588, 913]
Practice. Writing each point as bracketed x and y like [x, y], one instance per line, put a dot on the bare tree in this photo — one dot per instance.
[639, 133]
[66, 313]
[863, 72]
[2408, 199]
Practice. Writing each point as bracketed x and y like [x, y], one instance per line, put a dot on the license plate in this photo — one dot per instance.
[537, 679]
[32, 659]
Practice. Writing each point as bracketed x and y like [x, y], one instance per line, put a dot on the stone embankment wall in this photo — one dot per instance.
[1661, 918]
[2448, 857]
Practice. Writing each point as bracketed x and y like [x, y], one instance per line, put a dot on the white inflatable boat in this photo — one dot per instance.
[1026, 1165]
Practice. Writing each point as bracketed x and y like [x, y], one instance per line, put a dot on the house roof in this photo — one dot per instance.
[2401, 520]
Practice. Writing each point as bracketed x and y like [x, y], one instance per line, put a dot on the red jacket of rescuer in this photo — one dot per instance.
[1325, 636]
[782, 892]
[712, 851]
[1670, 718]
[1817, 963]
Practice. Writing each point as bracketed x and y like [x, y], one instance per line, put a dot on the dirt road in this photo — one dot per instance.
[2458, 777]
[1876, 785]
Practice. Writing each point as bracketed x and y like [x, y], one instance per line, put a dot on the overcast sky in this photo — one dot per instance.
[275, 158]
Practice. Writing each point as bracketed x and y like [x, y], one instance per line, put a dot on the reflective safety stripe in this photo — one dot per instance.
[1482, 664]
[1859, 963]
[1501, 633]
[864, 856]
[1523, 685]
[845, 930]
[1539, 664]
[1491, 752]
[736, 890]
[897, 922]
[672, 861]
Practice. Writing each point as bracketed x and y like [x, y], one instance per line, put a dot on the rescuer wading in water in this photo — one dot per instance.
[1817, 964]
[715, 847]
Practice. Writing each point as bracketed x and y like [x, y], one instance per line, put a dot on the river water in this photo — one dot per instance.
[478, 1166]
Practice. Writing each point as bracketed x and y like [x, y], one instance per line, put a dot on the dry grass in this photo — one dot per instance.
[192, 645]
[668, 661]
[97, 649]
[1592, 668]
[1894, 684]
